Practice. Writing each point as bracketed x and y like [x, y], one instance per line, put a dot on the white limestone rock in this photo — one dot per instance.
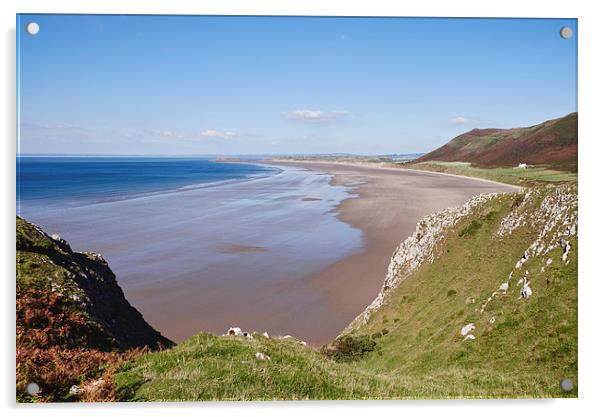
[467, 329]
[526, 291]
[262, 356]
[234, 331]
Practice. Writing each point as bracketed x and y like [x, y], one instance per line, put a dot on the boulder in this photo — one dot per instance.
[566, 247]
[526, 291]
[467, 329]
[234, 331]
[262, 356]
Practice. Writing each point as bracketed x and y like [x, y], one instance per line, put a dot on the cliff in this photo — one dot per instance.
[550, 211]
[72, 316]
[483, 294]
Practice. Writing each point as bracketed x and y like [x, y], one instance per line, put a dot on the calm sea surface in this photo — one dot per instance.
[73, 181]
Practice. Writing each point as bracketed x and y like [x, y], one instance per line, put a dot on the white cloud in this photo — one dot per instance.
[52, 127]
[171, 136]
[61, 126]
[315, 116]
[60, 132]
[210, 133]
[464, 121]
[167, 134]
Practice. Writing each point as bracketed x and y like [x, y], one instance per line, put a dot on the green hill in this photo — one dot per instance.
[551, 144]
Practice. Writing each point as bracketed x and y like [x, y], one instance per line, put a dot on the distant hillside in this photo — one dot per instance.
[552, 143]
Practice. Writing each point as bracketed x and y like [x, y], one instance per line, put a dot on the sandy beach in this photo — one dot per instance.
[390, 203]
[301, 252]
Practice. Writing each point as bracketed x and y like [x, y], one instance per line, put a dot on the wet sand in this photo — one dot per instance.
[230, 255]
[390, 204]
[243, 249]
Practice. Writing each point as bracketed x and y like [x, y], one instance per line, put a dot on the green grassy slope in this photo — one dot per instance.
[531, 176]
[411, 347]
[523, 347]
[208, 367]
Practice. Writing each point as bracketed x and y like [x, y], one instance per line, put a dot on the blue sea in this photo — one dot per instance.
[73, 181]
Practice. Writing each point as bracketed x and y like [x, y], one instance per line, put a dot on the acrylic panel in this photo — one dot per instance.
[215, 208]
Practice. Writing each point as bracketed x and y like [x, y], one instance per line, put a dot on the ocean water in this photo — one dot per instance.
[199, 245]
[72, 181]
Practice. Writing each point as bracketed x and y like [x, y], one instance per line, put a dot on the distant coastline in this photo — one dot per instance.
[385, 165]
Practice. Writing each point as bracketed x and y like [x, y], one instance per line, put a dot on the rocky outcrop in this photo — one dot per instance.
[552, 212]
[417, 249]
[84, 279]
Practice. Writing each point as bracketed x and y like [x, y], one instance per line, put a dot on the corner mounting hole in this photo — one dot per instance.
[566, 385]
[33, 389]
[32, 28]
[566, 32]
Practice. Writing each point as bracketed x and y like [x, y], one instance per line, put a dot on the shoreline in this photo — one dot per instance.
[389, 168]
[389, 203]
[151, 189]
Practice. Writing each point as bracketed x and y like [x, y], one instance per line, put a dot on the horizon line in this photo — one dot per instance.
[49, 154]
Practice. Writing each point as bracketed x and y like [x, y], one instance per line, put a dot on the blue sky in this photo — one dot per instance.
[269, 85]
